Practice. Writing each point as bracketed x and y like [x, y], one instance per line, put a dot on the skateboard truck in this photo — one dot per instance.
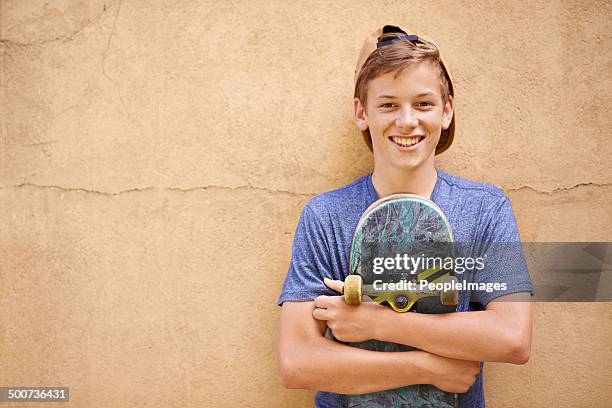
[402, 301]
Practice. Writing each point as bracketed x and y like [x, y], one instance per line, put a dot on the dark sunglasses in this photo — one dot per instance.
[395, 30]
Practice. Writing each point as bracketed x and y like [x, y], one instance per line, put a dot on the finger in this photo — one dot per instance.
[336, 285]
[320, 314]
[322, 301]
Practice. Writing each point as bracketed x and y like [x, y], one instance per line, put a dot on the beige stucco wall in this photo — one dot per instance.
[154, 158]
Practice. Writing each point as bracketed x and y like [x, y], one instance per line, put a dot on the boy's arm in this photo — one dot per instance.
[308, 360]
[501, 333]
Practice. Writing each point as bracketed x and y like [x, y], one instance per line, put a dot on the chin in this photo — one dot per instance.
[409, 166]
[412, 163]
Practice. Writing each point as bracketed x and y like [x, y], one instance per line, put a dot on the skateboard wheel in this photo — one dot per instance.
[352, 289]
[449, 297]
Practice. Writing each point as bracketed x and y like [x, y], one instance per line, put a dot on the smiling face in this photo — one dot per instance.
[405, 114]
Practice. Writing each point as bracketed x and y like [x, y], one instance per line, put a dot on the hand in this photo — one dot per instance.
[449, 374]
[349, 323]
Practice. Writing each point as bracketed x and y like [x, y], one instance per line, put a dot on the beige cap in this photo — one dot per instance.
[372, 42]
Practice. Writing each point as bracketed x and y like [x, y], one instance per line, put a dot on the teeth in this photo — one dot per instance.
[406, 141]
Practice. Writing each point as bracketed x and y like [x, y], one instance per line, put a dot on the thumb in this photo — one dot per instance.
[336, 285]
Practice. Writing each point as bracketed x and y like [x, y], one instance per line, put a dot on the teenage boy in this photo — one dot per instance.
[404, 107]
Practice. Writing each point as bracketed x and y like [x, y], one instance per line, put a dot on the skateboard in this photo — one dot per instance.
[396, 260]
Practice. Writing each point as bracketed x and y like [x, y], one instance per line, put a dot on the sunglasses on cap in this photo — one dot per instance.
[389, 29]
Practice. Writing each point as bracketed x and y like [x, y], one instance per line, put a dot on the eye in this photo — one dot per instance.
[387, 105]
[424, 104]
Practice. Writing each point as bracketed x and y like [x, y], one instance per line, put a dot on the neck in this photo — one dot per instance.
[393, 180]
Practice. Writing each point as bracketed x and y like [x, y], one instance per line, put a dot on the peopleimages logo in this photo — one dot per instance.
[426, 286]
[412, 264]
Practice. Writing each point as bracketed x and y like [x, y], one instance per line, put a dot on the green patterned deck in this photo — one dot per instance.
[411, 225]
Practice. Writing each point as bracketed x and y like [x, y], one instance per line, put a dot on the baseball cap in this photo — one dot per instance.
[374, 41]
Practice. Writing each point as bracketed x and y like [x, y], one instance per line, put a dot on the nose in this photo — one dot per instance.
[406, 118]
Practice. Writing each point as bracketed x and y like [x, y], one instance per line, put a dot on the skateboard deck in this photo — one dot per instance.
[399, 229]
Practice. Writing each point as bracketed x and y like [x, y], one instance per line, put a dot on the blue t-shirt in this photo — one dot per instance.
[477, 213]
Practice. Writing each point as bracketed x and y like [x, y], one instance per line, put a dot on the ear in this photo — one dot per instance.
[447, 114]
[361, 118]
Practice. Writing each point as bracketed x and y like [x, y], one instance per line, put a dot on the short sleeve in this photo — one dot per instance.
[504, 269]
[310, 261]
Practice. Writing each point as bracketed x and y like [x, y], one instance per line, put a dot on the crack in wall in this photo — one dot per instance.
[41, 143]
[557, 190]
[113, 83]
[79, 189]
[241, 187]
[153, 188]
[249, 187]
[66, 37]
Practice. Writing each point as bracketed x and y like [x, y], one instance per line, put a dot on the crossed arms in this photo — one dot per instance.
[451, 345]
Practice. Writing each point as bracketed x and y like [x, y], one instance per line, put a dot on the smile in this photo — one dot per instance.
[406, 141]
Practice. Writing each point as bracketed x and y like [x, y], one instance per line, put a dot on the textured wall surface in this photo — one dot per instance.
[154, 158]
